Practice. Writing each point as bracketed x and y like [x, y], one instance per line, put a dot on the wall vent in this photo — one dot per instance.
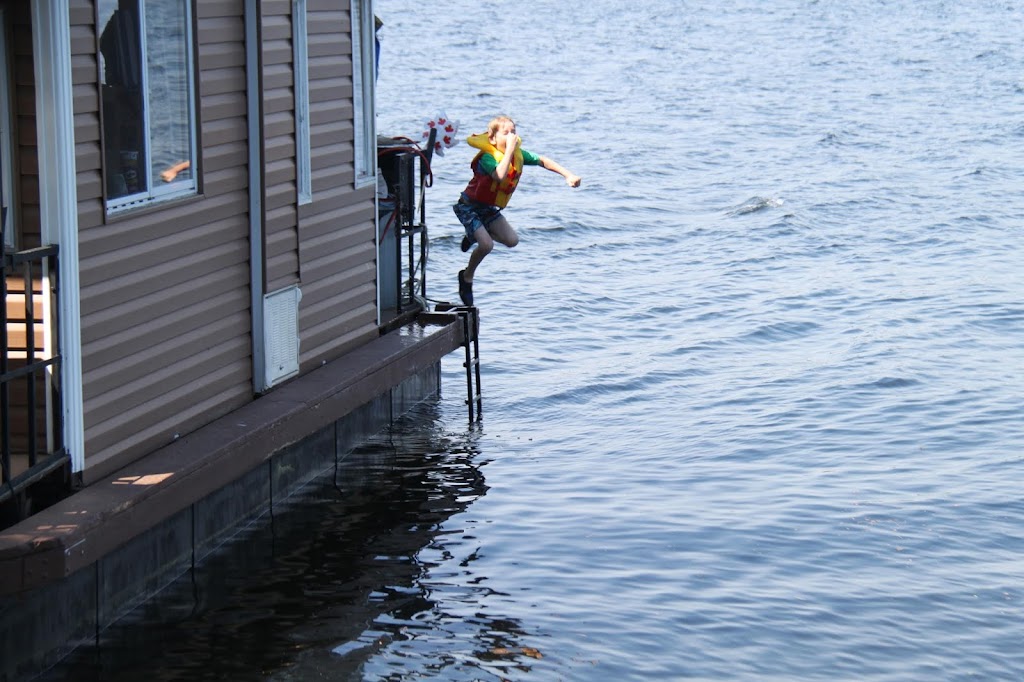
[281, 334]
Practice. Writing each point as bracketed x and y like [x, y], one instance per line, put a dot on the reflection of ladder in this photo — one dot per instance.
[471, 341]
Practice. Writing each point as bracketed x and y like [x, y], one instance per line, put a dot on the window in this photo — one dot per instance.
[148, 100]
[300, 48]
[7, 222]
[363, 51]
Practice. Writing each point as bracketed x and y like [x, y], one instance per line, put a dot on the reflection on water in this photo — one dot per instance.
[314, 591]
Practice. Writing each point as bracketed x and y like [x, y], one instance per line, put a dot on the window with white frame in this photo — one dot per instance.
[363, 70]
[148, 100]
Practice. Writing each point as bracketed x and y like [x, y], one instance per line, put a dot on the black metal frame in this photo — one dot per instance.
[410, 222]
[42, 462]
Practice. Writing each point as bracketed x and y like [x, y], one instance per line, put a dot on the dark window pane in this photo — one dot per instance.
[123, 113]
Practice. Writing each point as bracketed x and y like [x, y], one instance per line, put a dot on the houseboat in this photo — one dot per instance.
[208, 301]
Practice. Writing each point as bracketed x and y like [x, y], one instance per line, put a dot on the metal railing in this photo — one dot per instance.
[407, 192]
[31, 451]
[409, 228]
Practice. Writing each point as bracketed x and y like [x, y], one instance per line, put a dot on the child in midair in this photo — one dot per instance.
[496, 172]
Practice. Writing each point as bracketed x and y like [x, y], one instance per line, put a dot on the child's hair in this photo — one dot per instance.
[495, 123]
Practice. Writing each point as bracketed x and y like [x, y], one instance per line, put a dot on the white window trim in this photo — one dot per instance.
[364, 107]
[176, 190]
[303, 155]
[51, 45]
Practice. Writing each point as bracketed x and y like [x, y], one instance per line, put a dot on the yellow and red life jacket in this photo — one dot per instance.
[484, 188]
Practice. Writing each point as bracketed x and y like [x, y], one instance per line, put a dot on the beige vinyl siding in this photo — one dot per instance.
[281, 251]
[165, 291]
[337, 231]
[326, 246]
[86, 105]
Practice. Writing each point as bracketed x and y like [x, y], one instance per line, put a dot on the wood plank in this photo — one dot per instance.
[16, 307]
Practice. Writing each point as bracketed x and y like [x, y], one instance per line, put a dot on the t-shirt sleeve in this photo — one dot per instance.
[529, 158]
[487, 164]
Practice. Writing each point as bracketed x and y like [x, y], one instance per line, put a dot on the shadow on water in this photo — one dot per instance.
[316, 589]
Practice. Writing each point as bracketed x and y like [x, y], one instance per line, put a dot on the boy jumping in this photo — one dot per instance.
[496, 171]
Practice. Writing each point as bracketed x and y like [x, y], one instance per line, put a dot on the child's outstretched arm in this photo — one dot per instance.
[571, 178]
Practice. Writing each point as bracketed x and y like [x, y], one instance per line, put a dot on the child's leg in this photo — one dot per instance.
[502, 232]
[484, 245]
[497, 230]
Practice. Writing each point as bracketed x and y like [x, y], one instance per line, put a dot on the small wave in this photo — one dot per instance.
[885, 382]
[911, 61]
[830, 138]
[840, 138]
[781, 331]
[755, 204]
[894, 382]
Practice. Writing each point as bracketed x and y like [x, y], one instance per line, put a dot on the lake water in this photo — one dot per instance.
[752, 393]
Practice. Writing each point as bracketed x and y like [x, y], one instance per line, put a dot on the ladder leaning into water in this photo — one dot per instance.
[471, 341]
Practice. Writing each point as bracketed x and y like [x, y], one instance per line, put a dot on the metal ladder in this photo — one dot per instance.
[471, 341]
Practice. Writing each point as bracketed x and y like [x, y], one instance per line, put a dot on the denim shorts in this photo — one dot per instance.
[474, 215]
